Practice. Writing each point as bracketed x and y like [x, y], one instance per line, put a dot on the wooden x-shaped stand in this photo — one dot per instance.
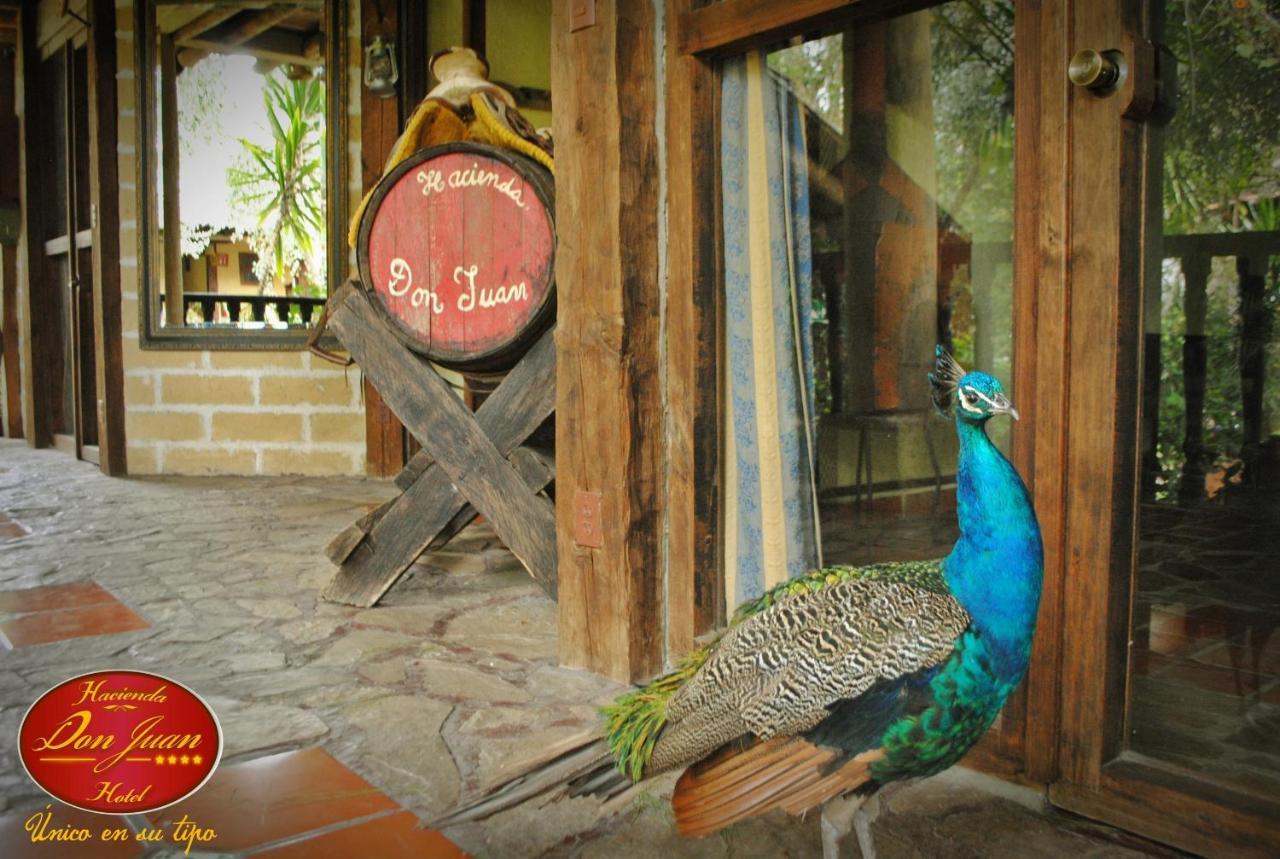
[470, 463]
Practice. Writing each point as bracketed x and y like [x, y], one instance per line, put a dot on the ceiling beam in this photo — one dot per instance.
[201, 23]
[275, 45]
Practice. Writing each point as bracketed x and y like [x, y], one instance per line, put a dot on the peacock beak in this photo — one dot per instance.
[1004, 407]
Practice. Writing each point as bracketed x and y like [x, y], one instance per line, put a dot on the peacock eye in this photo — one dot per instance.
[970, 398]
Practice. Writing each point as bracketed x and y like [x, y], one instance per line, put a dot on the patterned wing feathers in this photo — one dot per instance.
[781, 669]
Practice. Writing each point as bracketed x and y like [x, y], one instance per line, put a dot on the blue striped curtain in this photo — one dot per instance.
[771, 529]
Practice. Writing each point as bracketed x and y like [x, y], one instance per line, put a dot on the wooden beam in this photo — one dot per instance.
[474, 28]
[695, 583]
[170, 217]
[467, 458]
[275, 46]
[608, 407]
[9, 195]
[385, 437]
[39, 314]
[733, 26]
[246, 27]
[203, 22]
[104, 199]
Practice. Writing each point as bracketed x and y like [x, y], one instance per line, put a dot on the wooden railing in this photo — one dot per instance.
[1252, 253]
[208, 302]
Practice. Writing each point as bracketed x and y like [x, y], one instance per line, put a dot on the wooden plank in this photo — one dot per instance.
[40, 314]
[729, 24]
[377, 551]
[10, 191]
[1106, 175]
[733, 26]
[1159, 802]
[171, 218]
[461, 447]
[385, 437]
[695, 584]
[1040, 332]
[609, 431]
[105, 201]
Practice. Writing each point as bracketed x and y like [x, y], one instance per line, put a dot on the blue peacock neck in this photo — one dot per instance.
[996, 568]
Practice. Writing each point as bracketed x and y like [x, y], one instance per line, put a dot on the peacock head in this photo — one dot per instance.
[972, 396]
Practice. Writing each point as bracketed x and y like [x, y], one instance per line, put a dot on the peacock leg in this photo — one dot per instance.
[862, 820]
[839, 815]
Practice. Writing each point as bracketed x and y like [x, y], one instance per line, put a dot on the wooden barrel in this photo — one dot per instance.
[457, 245]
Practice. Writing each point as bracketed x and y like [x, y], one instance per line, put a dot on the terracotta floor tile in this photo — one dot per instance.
[275, 797]
[387, 838]
[53, 597]
[15, 841]
[45, 627]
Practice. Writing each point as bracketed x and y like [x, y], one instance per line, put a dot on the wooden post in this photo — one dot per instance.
[1252, 272]
[608, 408]
[9, 252]
[170, 161]
[379, 127]
[1195, 364]
[695, 585]
[104, 200]
[40, 313]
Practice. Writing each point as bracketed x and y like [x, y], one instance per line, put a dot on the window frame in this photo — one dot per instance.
[152, 335]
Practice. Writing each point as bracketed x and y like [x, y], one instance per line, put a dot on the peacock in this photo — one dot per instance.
[834, 684]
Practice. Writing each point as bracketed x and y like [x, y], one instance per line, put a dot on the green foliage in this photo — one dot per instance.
[1222, 149]
[284, 184]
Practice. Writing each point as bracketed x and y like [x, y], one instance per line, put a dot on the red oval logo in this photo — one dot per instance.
[119, 742]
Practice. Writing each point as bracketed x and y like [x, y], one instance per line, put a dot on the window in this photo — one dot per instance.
[241, 157]
[868, 188]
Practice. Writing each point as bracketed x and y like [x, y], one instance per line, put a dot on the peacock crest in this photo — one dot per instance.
[943, 380]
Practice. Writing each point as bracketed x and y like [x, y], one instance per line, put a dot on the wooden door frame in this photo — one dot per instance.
[40, 327]
[1095, 230]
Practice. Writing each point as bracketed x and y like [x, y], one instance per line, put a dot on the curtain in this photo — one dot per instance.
[771, 527]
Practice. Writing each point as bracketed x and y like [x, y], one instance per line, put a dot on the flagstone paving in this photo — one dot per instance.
[370, 713]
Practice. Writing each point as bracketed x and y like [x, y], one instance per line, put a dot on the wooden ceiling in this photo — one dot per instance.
[274, 33]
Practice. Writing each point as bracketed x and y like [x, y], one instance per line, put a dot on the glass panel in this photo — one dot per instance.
[909, 135]
[240, 155]
[1205, 657]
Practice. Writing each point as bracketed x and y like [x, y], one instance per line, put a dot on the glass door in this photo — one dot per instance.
[868, 213]
[1170, 718]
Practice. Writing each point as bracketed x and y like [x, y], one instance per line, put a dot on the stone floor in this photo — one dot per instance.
[361, 721]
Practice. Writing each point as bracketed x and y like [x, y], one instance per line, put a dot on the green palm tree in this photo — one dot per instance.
[284, 184]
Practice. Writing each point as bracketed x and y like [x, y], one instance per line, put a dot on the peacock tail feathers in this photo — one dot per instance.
[634, 720]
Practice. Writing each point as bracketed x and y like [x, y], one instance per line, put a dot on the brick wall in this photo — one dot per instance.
[226, 412]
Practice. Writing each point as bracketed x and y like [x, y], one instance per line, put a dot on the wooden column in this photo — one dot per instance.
[1252, 271]
[170, 161]
[695, 585]
[37, 322]
[104, 199]
[9, 252]
[608, 411]
[380, 123]
[1195, 364]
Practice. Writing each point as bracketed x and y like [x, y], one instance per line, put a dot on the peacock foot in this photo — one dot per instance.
[849, 813]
